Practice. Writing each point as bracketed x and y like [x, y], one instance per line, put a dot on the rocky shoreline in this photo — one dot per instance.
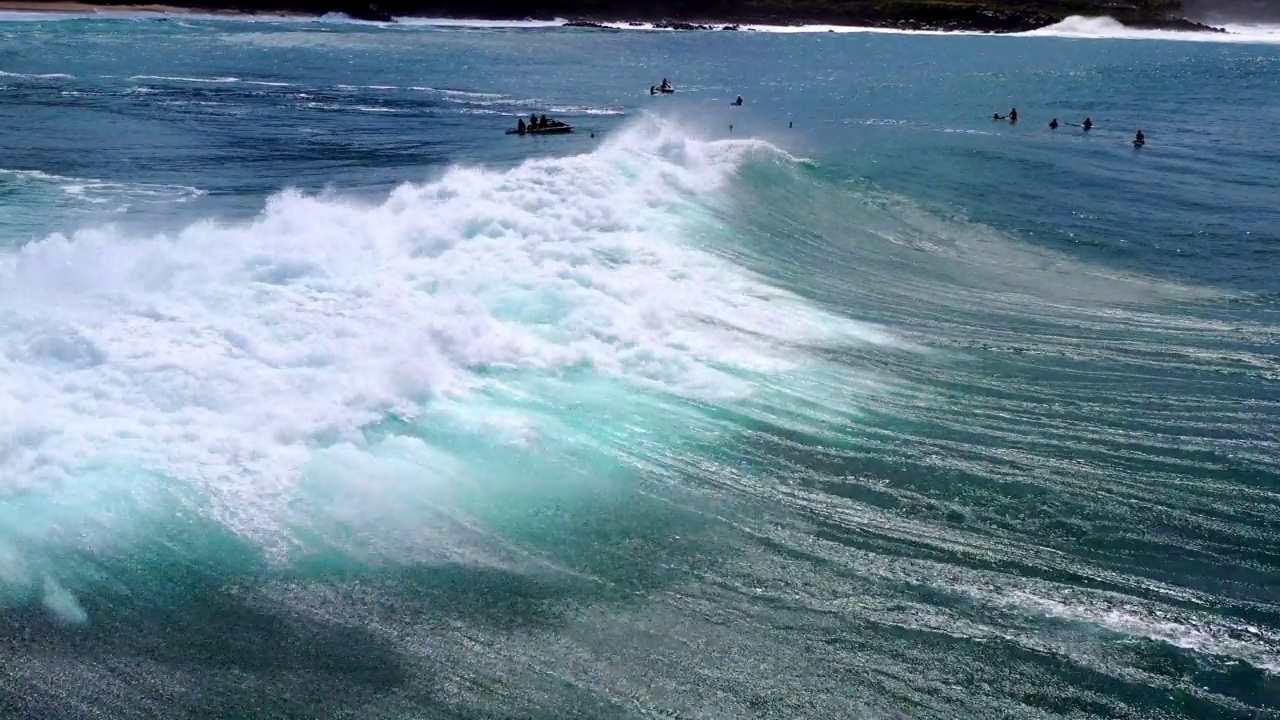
[988, 16]
[988, 21]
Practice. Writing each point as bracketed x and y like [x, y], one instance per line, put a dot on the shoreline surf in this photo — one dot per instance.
[958, 20]
[1075, 27]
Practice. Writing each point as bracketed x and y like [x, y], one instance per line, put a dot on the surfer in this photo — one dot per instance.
[738, 102]
[1013, 115]
[1053, 124]
[1139, 139]
[1088, 123]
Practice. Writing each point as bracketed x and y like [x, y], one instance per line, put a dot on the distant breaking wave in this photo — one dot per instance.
[1105, 28]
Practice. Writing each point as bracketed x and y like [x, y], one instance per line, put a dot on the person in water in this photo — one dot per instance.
[1013, 115]
[1088, 123]
[1139, 139]
[1053, 124]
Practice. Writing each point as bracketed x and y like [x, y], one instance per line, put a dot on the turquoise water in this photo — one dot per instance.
[322, 397]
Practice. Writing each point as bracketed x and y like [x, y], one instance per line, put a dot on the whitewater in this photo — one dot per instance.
[323, 397]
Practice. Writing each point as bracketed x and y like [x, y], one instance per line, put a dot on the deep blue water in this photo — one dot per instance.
[323, 397]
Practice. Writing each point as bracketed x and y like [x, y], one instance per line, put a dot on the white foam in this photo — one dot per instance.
[480, 24]
[36, 76]
[221, 355]
[170, 78]
[342, 107]
[1198, 632]
[97, 192]
[1105, 28]
[845, 29]
[62, 604]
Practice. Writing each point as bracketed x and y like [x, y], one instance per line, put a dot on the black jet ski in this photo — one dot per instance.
[559, 129]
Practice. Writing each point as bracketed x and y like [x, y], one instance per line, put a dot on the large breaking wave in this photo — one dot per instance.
[220, 397]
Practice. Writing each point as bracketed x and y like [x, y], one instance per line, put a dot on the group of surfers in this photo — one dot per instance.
[1138, 140]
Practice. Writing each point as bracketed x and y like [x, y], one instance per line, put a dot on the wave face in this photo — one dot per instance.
[321, 397]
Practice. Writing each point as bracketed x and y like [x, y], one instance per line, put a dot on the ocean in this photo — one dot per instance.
[323, 397]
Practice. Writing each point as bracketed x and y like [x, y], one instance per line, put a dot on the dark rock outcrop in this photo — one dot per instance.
[677, 25]
[365, 11]
[1174, 23]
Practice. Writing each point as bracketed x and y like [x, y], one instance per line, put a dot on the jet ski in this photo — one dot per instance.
[558, 129]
